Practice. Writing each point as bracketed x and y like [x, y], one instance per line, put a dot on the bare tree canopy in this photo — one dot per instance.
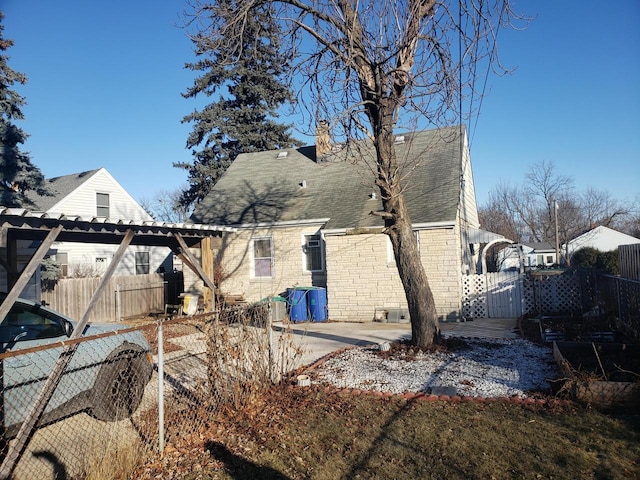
[423, 56]
[526, 212]
[165, 206]
[368, 68]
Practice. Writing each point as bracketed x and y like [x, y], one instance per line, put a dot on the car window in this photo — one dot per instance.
[29, 322]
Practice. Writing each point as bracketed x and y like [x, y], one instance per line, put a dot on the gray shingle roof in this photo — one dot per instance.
[541, 246]
[265, 188]
[60, 187]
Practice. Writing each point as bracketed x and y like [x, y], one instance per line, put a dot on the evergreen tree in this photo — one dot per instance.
[243, 119]
[17, 173]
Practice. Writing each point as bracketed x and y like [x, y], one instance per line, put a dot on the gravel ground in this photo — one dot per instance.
[481, 368]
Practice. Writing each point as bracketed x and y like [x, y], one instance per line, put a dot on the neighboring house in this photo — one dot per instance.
[304, 220]
[94, 194]
[601, 238]
[527, 255]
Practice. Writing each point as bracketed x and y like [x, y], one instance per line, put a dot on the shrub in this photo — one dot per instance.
[605, 262]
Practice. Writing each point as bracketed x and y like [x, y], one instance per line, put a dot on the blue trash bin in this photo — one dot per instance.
[297, 300]
[317, 303]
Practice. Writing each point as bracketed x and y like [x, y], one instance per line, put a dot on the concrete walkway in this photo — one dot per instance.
[320, 339]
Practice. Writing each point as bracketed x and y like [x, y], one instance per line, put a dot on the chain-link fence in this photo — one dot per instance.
[109, 411]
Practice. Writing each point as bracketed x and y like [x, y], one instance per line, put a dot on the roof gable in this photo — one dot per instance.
[75, 194]
[270, 187]
[601, 238]
[61, 188]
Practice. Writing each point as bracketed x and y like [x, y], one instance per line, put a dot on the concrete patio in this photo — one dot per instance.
[321, 338]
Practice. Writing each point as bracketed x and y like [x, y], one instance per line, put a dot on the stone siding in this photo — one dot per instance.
[441, 253]
[235, 257]
[363, 281]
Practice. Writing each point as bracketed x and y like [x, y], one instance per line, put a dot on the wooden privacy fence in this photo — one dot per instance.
[125, 296]
[629, 261]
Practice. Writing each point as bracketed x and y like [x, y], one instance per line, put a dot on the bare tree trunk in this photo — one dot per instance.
[422, 310]
[424, 321]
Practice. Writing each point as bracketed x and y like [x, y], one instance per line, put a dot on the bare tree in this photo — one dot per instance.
[498, 215]
[165, 206]
[526, 213]
[600, 208]
[630, 224]
[530, 208]
[542, 190]
[368, 67]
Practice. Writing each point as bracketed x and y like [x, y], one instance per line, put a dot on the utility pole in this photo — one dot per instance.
[557, 244]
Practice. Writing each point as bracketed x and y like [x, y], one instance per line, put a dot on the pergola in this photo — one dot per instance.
[21, 224]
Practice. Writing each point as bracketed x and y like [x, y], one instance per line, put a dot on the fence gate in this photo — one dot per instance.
[494, 295]
[504, 294]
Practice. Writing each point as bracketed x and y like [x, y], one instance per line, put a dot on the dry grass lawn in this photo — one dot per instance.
[296, 433]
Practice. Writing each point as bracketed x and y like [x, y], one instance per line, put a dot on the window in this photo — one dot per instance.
[549, 259]
[313, 253]
[142, 263]
[263, 257]
[100, 266]
[102, 205]
[62, 259]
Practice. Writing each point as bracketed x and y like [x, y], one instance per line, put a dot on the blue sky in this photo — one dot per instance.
[105, 80]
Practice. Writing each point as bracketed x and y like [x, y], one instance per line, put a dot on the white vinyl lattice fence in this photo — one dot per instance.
[512, 294]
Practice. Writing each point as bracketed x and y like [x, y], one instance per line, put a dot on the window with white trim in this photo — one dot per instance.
[102, 205]
[313, 251]
[142, 263]
[262, 250]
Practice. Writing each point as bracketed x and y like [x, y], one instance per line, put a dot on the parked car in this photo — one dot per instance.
[106, 376]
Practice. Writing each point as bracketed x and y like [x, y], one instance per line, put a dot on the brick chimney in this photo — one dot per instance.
[323, 139]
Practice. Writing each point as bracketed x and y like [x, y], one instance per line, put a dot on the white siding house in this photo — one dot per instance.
[601, 238]
[96, 194]
[531, 255]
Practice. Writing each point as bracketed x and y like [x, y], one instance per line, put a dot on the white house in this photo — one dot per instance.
[601, 238]
[529, 255]
[95, 194]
